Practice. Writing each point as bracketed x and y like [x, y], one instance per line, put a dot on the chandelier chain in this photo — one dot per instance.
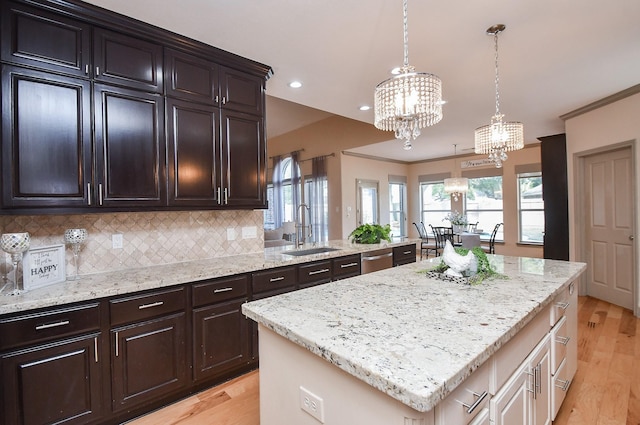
[497, 79]
[405, 23]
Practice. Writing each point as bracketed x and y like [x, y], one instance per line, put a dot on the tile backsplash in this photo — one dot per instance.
[149, 238]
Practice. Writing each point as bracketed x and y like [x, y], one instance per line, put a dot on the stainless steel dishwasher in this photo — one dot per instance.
[379, 259]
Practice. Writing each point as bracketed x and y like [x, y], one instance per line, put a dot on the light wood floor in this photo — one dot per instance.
[605, 390]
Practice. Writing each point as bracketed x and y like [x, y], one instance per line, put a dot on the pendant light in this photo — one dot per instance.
[409, 101]
[499, 137]
[456, 186]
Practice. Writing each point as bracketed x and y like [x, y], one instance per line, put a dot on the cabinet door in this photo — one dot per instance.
[243, 156]
[191, 78]
[220, 338]
[511, 405]
[541, 369]
[241, 91]
[130, 149]
[127, 61]
[194, 153]
[148, 360]
[57, 383]
[46, 139]
[45, 40]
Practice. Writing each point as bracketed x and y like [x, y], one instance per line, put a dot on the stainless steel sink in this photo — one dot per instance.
[310, 251]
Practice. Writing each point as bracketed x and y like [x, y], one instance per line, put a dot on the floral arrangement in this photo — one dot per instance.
[483, 271]
[371, 233]
[456, 218]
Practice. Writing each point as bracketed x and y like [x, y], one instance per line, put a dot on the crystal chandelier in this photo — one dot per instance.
[499, 137]
[409, 101]
[456, 186]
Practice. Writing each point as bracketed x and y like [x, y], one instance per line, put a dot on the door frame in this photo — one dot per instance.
[579, 159]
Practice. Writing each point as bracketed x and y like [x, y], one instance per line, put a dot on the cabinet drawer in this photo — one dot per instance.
[53, 324]
[214, 291]
[560, 339]
[140, 307]
[561, 303]
[404, 255]
[318, 272]
[346, 266]
[467, 401]
[269, 280]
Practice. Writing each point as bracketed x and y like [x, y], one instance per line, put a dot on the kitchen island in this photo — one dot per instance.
[393, 346]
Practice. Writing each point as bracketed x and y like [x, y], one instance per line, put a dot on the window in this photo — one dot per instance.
[435, 203]
[280, 203]
[483, 204]
[318, 203]
[530, 208]
[269, 220]
[397, 194]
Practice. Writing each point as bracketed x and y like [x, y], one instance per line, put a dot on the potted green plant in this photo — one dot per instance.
[371, 233]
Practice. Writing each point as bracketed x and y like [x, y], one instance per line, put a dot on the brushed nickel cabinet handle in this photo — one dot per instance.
[564, 340]
[155, 304]
[479, 400]
[563, 384]
[89, 194]
[117, 348]
[52, 325]
[344, 266]
[276, 279]
[217, 291]
[318, 272]
[226, 196]
[97, 71]
[562, 305]
[100, 193]
[95, 347]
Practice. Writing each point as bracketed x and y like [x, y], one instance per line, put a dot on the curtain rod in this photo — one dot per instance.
[320, 156]
[296, 151]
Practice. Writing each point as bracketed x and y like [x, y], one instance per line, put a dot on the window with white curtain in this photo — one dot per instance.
[483, 204]
[435, 203]
[530, 208]
[397, 205]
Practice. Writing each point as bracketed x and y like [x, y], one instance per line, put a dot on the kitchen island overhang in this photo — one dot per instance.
[413, 338]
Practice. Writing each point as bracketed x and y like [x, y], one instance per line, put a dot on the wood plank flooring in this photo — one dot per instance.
[605, 390]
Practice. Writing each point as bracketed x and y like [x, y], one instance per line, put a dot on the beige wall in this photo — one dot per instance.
[356, 168]
[594, 131]
[330, 135]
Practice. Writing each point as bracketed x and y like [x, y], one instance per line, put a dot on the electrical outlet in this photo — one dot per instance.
[117, 241]
[231, 234]
[312, 404]
[249, 232]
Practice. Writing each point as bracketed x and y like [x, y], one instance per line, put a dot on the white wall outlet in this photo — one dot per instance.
[231, 234]
[117, 241]
[312, 404]
[249, 232]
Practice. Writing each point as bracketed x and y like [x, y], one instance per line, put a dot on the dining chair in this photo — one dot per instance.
[425, 245]
[473, 227]
[491, 248]
[441, 235]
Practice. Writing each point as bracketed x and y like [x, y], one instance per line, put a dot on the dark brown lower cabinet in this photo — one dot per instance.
[148, 360]
[57, 383]
[220, 339]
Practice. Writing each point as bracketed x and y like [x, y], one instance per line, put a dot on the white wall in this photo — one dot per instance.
[598, 129]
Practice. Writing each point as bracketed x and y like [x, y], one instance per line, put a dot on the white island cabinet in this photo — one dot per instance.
[397, 348]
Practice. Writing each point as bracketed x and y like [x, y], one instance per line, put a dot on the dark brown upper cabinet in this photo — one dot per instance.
[194, 153]
[129, 148]
[102, 112]
[127, 61]
[37, 38]
[46, 139]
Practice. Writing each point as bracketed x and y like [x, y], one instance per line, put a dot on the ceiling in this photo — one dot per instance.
[555, 57]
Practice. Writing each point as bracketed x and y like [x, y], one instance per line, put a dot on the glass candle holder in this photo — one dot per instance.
[14, 244]
[75, 237]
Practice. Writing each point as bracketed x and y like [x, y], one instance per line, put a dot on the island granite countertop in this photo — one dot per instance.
[101, 285]
[409, 336]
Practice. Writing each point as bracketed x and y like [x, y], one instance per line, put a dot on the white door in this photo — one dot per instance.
[609, 215]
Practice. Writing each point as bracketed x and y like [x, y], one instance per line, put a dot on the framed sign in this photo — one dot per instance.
[43, 266]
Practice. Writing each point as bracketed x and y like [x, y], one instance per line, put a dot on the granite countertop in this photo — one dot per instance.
[102, 285]
[409, 336]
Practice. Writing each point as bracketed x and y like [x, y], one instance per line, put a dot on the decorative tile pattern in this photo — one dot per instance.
[149, 238]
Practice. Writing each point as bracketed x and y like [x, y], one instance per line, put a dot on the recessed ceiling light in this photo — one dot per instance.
[295, 84]
[365, 107]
